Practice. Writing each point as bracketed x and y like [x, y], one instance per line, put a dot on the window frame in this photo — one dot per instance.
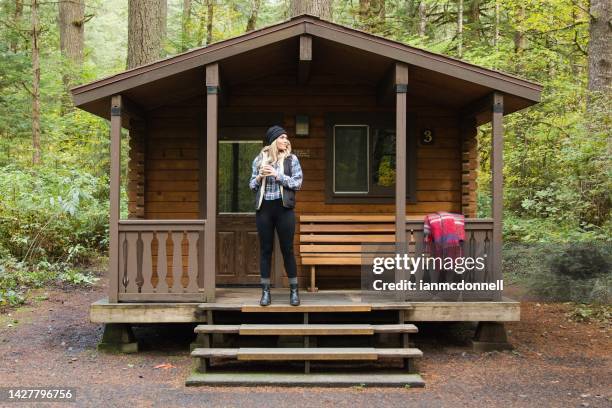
[374, 120]
[348, 193]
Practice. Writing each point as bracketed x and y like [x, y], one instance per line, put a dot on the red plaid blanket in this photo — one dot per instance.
[443, 234]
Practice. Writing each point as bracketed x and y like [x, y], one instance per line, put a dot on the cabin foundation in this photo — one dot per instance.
[491, 336]
[118, 338]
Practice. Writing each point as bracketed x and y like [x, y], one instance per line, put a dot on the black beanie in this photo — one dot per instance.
[274, 132]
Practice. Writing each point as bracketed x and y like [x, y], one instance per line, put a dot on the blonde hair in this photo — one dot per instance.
[270, 154]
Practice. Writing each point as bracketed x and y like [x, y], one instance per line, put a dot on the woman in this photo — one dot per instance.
[275, 177]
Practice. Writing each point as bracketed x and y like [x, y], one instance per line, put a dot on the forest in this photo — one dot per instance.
[54, 183]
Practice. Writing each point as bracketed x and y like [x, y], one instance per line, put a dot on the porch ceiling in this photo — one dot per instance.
[341, 55]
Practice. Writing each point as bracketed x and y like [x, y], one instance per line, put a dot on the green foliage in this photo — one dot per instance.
[577, 273]
[549, 230]
[50, 221]
[17, 277]
[521, 260]
[586, 313]
[582, 261]
[58, 216]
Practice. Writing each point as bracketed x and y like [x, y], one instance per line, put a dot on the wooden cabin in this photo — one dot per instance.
[385, 134]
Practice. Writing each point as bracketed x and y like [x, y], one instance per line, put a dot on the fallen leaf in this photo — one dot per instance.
[165, 366]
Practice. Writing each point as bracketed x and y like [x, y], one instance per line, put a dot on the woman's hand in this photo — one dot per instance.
[268, 170]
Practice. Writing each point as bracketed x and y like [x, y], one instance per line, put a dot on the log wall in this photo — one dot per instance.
[172, 169]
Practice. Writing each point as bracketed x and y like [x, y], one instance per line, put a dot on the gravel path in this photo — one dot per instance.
[556, 363]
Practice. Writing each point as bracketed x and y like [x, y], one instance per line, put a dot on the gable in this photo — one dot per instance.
[171, 74]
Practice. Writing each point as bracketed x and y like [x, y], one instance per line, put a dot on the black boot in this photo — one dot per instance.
[266, 299]
[294, 296]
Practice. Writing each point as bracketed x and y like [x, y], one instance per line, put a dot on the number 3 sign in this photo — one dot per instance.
[427, 137]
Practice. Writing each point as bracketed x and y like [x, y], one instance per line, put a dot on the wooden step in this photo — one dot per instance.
[306, 329]
[307, 354]
[217, 328]
[300, 353]
[395, 328]
[310, 308]
[300, 379]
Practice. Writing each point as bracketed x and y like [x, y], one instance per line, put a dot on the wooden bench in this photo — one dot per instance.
[336, 239]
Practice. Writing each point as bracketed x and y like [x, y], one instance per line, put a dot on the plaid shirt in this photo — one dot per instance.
[273, 184]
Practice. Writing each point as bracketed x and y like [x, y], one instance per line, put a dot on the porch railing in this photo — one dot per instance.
[478, 243]
[161, 260]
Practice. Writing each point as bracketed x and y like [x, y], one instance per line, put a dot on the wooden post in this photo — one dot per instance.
[115, 184]
[212, 92]
[401, 87]
[497, 177]
[202, 200]
[305, 59]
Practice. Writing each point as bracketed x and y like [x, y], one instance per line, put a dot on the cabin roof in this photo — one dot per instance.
[178, 71]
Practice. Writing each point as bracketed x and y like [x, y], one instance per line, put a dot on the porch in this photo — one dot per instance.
[245, 299]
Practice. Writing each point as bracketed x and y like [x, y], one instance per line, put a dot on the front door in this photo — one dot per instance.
[237, 241]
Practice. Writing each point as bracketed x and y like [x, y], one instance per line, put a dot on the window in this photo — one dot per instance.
[361, 166]
[351, 159]
[235, 160]
[383, 161]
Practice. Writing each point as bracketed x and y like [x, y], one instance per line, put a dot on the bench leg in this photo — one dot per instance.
[313, 287]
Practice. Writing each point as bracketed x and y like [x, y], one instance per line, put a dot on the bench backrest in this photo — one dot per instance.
[339, 237]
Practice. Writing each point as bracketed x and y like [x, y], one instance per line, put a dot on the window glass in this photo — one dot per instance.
[383, 159]
[351, 159]
[235, 160]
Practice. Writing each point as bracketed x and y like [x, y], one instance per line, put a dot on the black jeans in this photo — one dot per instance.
[272, 215]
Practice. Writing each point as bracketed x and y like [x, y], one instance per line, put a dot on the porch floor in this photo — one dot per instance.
[246, 300]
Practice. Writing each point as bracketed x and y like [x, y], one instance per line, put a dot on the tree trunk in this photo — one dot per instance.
[72, 31]
[253, 17]
[318, 8]
[186, 25]
[496, 35]
[146, 31]
[600, 51]
[17, 15]
[372, 15]
[201, 24]
[209, 21]
[35, 33]
[460, 28]
[474, 21]
[519, 35]
[205, 25]
[422, 18]
[72, 28]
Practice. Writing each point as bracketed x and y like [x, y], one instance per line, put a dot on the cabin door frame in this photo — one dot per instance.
[237, 242]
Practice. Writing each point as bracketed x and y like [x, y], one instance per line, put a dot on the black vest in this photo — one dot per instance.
[287, 194]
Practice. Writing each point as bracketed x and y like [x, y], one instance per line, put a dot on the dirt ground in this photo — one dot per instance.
[556, 363]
